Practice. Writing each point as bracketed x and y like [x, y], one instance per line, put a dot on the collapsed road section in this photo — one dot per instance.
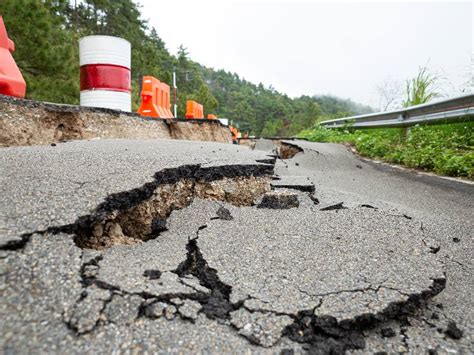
[26, 122]
[167, 246]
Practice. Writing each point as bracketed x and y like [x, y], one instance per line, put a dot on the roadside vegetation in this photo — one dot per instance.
[444, 149]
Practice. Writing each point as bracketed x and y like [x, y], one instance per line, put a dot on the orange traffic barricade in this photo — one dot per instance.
[155, 99]
[234, 133]
[194, 109]
[11, 80]
[166, 101]
[210, 116]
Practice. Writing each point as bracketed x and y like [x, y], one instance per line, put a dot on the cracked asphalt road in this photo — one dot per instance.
[371, 259]
[45, 186]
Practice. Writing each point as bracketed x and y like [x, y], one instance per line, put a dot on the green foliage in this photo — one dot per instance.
[272, 128]
[444, 149]
[44, 52]
[191, 85]
[264, 111]
[421, 88]
[46, 33]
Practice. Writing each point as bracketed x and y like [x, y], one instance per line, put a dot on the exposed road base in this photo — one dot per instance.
[27, 122]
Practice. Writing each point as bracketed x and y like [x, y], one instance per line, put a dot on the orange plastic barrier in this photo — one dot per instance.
[11, 80]
[165, 100]
[210, 116]
[194, 110]
[155, 99]
[234, 132]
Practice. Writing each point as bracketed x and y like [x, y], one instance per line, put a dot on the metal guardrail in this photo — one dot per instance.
[459, 109]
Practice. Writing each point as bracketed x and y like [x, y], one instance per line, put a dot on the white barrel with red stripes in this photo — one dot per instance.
[105, 72]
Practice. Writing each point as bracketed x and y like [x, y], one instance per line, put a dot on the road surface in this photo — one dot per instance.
[177, 246]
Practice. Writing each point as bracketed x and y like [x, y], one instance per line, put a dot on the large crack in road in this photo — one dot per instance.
[198, 242]
[262, 327]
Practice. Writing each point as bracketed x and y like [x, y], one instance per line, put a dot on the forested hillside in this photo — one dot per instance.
[46, 35]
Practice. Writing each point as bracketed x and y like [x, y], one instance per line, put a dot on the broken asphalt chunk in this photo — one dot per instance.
[152, 274]
[189, 309]
[279, 199]
[224, 213]
[260, 328]
[453, 331]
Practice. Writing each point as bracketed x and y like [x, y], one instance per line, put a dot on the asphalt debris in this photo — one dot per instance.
[224, 214]
[279, 199]
[453, 331]
[152, 274]
[387, 333]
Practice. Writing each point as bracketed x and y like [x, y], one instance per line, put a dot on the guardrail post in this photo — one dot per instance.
[406, 129]
[406, 132]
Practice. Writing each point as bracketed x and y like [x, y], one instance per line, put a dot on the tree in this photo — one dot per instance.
[390, 94]
[205, 98]
[44, 54]
[46, 33]
[272, 128]
[191, 85]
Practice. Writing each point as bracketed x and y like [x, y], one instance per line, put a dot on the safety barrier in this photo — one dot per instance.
[235, 133]
[11, 80]
[194, 110]
[454, 110]
[155, 99]
[210, 116]
[105, 72]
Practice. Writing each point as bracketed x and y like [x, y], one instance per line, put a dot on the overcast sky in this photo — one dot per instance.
[312, 47]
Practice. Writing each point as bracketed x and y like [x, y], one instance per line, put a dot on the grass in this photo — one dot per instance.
[444, 149]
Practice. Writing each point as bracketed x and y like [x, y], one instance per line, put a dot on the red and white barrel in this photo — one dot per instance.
[105, 72]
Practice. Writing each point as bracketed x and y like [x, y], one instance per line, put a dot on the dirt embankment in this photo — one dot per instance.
[26, 122]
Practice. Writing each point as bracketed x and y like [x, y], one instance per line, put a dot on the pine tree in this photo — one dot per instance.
[44, 53]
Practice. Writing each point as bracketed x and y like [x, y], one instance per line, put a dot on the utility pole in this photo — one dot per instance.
[174, 94]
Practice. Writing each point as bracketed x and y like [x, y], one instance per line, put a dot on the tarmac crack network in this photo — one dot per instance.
[215, 305]
[140, 215]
